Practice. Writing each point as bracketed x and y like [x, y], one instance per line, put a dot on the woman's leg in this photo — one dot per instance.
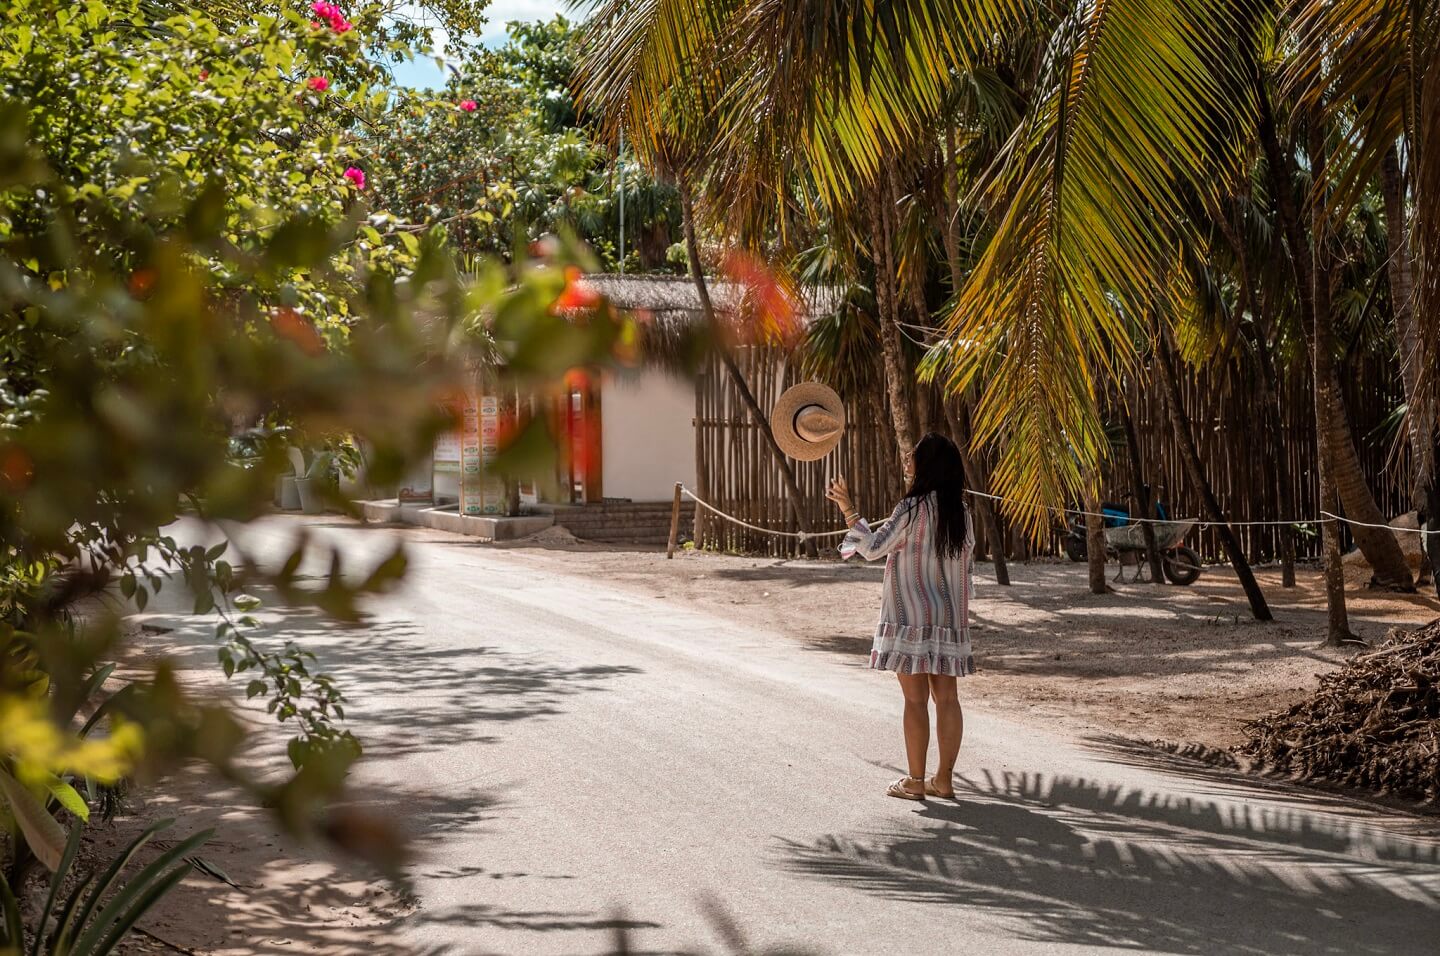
[917, 721]
[949, 726]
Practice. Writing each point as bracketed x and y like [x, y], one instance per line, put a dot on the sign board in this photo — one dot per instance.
[471, 502]
[492, 487]
[447, 446]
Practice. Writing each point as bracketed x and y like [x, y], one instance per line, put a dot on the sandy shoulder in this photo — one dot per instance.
[1186, 664]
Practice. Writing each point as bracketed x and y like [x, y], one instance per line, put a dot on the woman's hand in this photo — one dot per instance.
[839, 492]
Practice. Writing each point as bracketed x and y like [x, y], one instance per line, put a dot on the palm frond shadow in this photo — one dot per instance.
[1218, 770]
[1061, 859]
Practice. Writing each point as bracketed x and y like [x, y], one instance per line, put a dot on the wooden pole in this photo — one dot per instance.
[674, 523]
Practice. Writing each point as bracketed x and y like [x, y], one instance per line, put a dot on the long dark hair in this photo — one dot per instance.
[939, 469]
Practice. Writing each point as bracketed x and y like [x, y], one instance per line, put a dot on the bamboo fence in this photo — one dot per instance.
[737, 474]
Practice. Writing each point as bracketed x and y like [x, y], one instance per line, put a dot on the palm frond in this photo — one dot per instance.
[1138, 97]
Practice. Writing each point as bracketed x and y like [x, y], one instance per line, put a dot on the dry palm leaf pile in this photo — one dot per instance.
[1374, 723]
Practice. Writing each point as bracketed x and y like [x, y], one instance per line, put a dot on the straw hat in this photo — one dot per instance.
[808, 421]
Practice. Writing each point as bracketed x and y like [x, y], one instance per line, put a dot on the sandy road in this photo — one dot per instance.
[574, 758]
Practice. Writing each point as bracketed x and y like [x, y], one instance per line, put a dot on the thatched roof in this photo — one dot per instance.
[673, 333]
[667, 297]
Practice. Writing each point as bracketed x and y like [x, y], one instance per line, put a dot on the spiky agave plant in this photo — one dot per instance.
[95, 916]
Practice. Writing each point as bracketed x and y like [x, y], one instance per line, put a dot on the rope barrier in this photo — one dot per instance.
[1206, 524]
[803, 536]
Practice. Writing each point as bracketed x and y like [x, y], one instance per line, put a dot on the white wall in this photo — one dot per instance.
[647, 435]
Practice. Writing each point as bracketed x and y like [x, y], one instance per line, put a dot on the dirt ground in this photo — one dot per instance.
[1150, 662]
[1183, 664]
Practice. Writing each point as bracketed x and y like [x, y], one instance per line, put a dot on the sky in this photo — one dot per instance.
[423, 71]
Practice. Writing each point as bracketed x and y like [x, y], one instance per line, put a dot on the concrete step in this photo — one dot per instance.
[643, 523]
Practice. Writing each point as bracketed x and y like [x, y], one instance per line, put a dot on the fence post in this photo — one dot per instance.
[674, 523]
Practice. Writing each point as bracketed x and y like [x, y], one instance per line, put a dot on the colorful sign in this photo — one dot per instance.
[447, 445]
[492, 487]
[471, 474]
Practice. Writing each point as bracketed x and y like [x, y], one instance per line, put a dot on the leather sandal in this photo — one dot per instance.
[931, 790]
[898, 791]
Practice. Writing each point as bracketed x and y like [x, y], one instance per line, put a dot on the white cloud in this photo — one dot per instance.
[423, 71]
[501, 12]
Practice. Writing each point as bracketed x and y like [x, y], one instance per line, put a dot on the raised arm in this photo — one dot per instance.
[871, 545]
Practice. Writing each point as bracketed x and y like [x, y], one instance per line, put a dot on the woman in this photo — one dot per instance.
[924, 630]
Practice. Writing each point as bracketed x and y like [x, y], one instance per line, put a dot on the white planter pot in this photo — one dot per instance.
[311, 502]
[287, 496]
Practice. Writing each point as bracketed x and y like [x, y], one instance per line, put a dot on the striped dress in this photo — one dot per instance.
[924, 623]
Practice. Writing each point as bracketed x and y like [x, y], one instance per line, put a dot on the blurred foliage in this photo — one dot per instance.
[192, 278]
[503, 156]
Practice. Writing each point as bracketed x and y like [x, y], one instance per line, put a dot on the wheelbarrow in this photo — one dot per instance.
[1180, 564]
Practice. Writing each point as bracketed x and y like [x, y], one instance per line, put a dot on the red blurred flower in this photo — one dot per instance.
[770, 311]
[141, 282]
[576, 294]
[545, 247]
[291, 325]
[469, 106]
[356, 176]
[16, 469]
[204, 75]
[318, 83]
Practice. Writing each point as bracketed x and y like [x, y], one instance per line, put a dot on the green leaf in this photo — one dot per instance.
[42, 832]
[297, 749]
[12, 931]
[68, 797]
[211, 870]
[254, 688]
[71, 846]
[138, 895]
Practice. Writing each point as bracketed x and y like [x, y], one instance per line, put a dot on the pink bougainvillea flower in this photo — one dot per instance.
[356, 176]
[318, 83]
[468, 106]
[332, 15]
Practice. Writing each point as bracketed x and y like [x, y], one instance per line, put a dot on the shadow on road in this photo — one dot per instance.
[1067, 860]
[410, 695]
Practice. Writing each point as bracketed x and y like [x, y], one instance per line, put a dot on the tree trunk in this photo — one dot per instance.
[1190, 456]
[737, 378]
[892, 350]
[1430, 521]
[1270, 402]
[1095, 540]
[1335, 440]
[1419, 412]
[1378, 544]
[978, 480]
[1337, 631]
[1141, 490]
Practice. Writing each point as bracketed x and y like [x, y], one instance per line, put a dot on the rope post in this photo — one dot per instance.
[674, 523]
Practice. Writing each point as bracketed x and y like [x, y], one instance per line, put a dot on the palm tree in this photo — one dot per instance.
[1130, 109]
[1372, 69]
